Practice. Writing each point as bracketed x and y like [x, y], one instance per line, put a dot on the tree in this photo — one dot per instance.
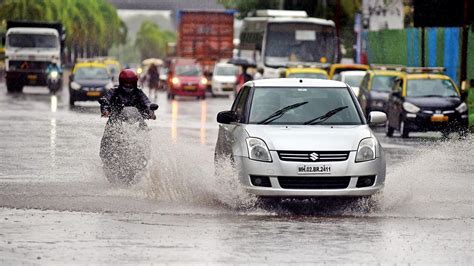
[247, 6]
[151, 41]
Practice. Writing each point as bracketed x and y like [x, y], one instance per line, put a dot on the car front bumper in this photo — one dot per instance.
[277, 170]
[83, 95]
[421, 122]
[220, 89]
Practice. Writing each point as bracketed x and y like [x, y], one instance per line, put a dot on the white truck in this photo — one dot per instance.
[30, 48]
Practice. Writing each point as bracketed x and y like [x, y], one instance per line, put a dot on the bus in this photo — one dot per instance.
[273, 39]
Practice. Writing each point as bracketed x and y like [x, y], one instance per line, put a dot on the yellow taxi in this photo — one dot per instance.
[88, 82]
[425, 99]
[306, 72]
[338, 68]
[375, 89]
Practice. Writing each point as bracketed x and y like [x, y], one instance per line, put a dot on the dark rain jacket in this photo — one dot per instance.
[117, 98]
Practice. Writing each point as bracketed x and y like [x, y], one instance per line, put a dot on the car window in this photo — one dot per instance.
[353, 81]
[397, 86]
[226, 71]
[430, 87]
[91, 73]
[307, 75]
[313, 103]
[337, 77]
[383, 83]
[240, 103]
[188, 70]
[365, 81]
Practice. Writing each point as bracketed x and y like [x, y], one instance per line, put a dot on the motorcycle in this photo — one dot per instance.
[125, 146]
[53, 81]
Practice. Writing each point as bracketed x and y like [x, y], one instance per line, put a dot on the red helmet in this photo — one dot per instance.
[128, 77]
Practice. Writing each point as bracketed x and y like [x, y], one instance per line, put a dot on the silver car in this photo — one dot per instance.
[301, 138]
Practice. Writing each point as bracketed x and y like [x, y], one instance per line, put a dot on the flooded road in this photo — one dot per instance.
[57, 207]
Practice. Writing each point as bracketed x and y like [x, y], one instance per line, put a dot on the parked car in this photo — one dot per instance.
[223, 79]
[185, 78]
[375, 89]
[425, 102]
[353, 78]
[301, 138]
[88, 82]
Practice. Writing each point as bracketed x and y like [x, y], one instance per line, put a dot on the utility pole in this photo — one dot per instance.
[463, 74]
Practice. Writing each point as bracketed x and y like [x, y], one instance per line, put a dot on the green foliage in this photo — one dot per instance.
[92, 26]
[151, 41]
[246, 6]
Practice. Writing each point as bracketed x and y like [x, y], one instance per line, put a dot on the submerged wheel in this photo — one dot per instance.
[403, 130]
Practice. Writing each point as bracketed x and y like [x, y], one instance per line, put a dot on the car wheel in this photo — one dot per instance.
[389, 130]
[71, 101]
[403, 130]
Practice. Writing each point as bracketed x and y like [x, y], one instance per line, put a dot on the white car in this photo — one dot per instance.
[352, 77]
[223, 79]
[301, 138]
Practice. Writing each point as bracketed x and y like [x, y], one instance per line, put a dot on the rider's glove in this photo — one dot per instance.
[151, 115]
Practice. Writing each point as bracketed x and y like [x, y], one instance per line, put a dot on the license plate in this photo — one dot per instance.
[314, 169]
[227, 89]
[439, 118]
[93, 93]
[190, 88]
[32, 77]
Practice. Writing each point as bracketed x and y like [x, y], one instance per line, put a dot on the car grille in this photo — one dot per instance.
[28, 65]
[316, 156]
[310, 182]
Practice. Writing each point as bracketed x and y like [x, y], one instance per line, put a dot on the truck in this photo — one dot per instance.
[30, 48]
[206, 36]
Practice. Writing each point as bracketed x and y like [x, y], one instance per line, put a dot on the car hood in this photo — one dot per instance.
[92, 82]
[435, 102]
[224, 79]
[316, 138]
[189, 79]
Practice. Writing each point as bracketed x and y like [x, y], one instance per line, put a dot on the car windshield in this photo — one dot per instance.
[188, 70]
[383, 83]
[299, 106]
[353, 80]
[431, 88]
[91, 73]
[307, 75]
[33, 41]
[299, 42]
[226, 71]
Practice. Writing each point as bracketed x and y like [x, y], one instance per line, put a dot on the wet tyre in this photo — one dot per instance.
[403, 130]
[71, 101]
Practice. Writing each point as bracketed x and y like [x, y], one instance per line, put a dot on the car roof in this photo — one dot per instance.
[88, 64]
[306, 70]
[378, 72]
[353, 73]
[297, 82]
[427, 76]
[352, 66]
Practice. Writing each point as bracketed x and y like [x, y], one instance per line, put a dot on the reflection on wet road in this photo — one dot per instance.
[57, 207]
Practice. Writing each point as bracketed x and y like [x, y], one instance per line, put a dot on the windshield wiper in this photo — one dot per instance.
[325, 117]
[281, 112]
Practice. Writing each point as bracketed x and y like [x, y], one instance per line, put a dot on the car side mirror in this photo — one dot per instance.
[226, 117]
[154, 106]
[376, 118]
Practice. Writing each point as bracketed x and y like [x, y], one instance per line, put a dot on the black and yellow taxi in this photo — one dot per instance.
[306, 72]
[335, 69]
[375, 88]
[88, 82]
[424, 99]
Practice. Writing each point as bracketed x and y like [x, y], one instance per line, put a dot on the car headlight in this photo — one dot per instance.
[366, 150]
[462, 108]
[411, 108]
[203, 81]
[75, 85]
[258, 150]
[175, 81]
[109, 86]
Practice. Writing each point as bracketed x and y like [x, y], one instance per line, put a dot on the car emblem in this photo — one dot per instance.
[314, 156]
[438, 111]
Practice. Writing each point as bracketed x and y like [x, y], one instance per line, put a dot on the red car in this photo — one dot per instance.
[185, 78]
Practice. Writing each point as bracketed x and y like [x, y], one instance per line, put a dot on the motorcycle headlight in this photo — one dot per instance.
[462, 108]
[75, 85]
[411, 108]
[258, 150]
[366, 150]
[54, 74]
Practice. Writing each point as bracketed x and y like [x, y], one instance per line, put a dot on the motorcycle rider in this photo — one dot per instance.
[126, 94]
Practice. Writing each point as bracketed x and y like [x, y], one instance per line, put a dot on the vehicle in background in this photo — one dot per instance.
[114, 68]
[425, 101]
[30, 47]
[375, 89]
[353, 78]
[185, 78]
[205, 36]
[335, 69]
[88, 82]
[274, 38]
[223, 79]
[163, 78]
[306, 72]
[301, 138]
